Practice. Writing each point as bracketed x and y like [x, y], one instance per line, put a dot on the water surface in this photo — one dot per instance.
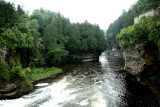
[89, 84]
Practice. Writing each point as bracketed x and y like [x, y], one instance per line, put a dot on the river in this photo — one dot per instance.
[89, 84]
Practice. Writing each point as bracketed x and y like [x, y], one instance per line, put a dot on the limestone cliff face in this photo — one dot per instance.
[148, 13]
[3, 53]
[138, 57]
[141, 60]
[115, 52]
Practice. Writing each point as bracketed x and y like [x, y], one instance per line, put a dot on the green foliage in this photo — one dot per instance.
[44, 34]
[3, 67]
[28, 83]
[7, 15]
[125, 44]
[27, 70]
[158, 43]
[4, 72]
[43, 17]
[39, 73]
[5, 77]
[158, 9]
[16, 39]
[147, 30]
[18, 73]
[32, 64]
[61, 36]
[56, 52]
[127, 19]
[2, 42]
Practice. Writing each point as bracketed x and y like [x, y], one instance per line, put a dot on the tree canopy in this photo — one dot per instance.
[127, 19]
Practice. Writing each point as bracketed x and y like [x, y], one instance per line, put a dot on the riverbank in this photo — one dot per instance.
[40, 73]
[19, 88]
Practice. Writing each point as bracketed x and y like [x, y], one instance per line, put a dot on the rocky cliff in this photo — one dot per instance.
[142, 61]
[3, 53]
[14, 90]
[148, 13]
[138, 57]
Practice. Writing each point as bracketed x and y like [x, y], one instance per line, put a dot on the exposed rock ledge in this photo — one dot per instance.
[84, 57]
[138, 57]
[141, 60]
[148, 13]
[14, 90]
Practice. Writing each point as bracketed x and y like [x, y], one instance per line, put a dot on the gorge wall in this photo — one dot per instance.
[148, 13]
[138, 57]
[143, 59]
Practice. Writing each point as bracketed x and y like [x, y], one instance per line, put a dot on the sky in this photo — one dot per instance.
[101, 12]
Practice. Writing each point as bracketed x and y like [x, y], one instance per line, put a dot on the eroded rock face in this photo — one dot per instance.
[148, 13]
[115, 52]
[3, 52]
[14, 90]
[138, 57]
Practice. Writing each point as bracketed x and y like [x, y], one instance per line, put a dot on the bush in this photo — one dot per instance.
[4, 72]
[32, 64]
[27, 70]
[17, 73]
[28, 83]
[4, 77]
[125, 44]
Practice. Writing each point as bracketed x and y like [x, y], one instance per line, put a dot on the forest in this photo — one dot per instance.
[27, 40]
[127, 19]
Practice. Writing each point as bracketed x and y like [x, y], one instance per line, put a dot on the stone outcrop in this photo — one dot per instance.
[14, 90]
[3, 53]
[142, 60]
[115, 52]
[148, 13]
[138, 57]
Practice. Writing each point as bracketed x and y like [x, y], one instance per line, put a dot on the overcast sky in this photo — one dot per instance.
[102, 12]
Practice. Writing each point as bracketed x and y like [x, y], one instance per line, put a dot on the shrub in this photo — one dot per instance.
[28, 83]
[27, 70]
[4, 72]
[17, 73]
[32, 64]
[4, 77]
[125, 44]
[3, 67]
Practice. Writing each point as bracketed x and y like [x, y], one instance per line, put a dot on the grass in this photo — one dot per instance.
[39, 73]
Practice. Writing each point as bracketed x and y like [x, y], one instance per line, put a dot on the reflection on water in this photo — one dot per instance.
[89, 84]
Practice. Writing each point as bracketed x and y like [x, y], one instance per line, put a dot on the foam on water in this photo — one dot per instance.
[41, 84]
[54, 93]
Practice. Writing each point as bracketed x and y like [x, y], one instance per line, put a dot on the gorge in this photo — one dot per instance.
[46, 60]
